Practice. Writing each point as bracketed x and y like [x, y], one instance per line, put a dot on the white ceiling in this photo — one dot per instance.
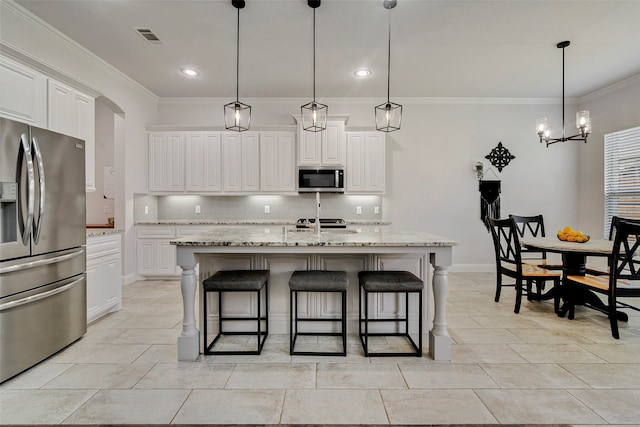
[446, 48]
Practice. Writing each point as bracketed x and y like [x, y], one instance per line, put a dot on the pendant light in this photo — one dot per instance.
[583, 123]
[237, 116]
[314, 114]
[388, 114]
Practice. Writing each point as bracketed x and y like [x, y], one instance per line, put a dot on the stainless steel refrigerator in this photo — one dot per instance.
[43, 303]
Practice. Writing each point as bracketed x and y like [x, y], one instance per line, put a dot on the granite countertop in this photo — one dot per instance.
[288, 236]
[248, 222]
[92, 232]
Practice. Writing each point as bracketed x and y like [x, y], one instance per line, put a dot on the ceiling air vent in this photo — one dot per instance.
[148, 35]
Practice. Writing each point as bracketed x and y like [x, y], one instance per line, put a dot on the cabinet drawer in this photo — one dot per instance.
[155, 232]
[97, 246]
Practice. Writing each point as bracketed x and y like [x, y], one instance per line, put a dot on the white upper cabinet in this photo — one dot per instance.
[277, 162]
[365, 171]
[326, 148]
[23, 93]
[203, 163]
[73, 113]
[240, 162]
[166, 161]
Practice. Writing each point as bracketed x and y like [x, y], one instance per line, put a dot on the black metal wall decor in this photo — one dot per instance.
[500, 157]
[489, 200]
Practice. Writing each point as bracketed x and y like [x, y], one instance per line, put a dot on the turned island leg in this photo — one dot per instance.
[439, 339]
[189, 339]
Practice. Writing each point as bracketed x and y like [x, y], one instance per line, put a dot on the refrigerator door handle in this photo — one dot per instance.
[38, 159]
[37, 297]
[25, 150]
[40, 262]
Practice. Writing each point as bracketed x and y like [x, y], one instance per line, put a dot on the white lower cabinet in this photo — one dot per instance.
[104, 276]
[155, 256]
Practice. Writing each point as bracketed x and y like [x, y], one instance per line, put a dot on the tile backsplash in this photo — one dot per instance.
[253, 207]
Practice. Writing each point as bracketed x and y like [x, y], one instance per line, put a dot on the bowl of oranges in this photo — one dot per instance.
[567, 234]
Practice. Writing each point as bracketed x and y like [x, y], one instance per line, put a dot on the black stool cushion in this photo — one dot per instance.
[319, 280]
[237, 280]
[390, 281]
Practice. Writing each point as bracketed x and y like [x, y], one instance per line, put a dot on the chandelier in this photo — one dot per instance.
[583, 122]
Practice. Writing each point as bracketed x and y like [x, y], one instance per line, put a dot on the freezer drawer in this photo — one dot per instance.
[36, 324]
[24, 274]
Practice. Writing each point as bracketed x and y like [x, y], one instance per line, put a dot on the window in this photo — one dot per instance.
[621, 175]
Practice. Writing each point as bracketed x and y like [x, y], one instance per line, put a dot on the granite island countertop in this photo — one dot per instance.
[291, 237]
[247, 222]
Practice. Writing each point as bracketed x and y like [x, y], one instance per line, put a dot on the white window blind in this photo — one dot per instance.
[621, 175]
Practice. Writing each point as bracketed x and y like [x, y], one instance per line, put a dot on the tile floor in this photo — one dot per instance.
[530, 368]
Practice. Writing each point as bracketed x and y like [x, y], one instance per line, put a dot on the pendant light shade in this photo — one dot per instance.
[237, 116]
[314, 113]
[583, 122]
[388, 114]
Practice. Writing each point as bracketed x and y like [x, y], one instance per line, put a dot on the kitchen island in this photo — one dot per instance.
[281, 250]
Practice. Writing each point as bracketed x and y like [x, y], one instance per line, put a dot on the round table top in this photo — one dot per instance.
[594, 247]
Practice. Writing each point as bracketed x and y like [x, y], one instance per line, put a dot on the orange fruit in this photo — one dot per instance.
[571, 238]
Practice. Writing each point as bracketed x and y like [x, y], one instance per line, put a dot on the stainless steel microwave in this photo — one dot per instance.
[311, 180]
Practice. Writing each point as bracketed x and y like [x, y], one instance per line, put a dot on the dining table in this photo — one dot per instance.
[574, 263]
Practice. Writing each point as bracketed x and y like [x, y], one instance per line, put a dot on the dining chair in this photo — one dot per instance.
[533, 226]
[508, 255]
[623, 280]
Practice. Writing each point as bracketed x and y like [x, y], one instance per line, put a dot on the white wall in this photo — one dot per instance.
[96, 202]
[611, 109]
[430, 182]
[33, 40]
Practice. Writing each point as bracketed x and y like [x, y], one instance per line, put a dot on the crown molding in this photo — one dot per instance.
[622, 84]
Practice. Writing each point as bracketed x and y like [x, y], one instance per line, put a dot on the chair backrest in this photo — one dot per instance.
[506, 243]
[625, 260]
[612, 228]
[530, 226]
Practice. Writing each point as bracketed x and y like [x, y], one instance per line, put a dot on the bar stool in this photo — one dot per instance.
[317, 281]
[252, 281]
[397, 282]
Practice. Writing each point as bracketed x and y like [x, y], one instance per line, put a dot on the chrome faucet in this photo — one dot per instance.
[318, 213]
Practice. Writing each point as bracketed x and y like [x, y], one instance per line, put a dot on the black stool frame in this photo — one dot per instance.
[260, 334]
[294, 319]
[364, 337]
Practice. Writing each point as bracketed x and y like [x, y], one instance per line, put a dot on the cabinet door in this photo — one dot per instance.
[94, 283]
[145, 257]
[203, 168]
[287, 161]
[166, 161]
[355, 162]
[165, 258]
[333, 144]
[365, 162]
[85, 125]
[232, 162]
[374, 162]
[309, 147]
[111, 280]
[24, 93]
[269, 162]
[250, 161]
[277, 161]
[60, 107]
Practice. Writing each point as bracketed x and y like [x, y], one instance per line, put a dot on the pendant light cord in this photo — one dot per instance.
[563, 134]
[238, 58]
[389, 58]
[314, 55]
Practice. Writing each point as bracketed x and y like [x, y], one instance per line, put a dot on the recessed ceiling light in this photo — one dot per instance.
[190, 72]
[362, 72]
